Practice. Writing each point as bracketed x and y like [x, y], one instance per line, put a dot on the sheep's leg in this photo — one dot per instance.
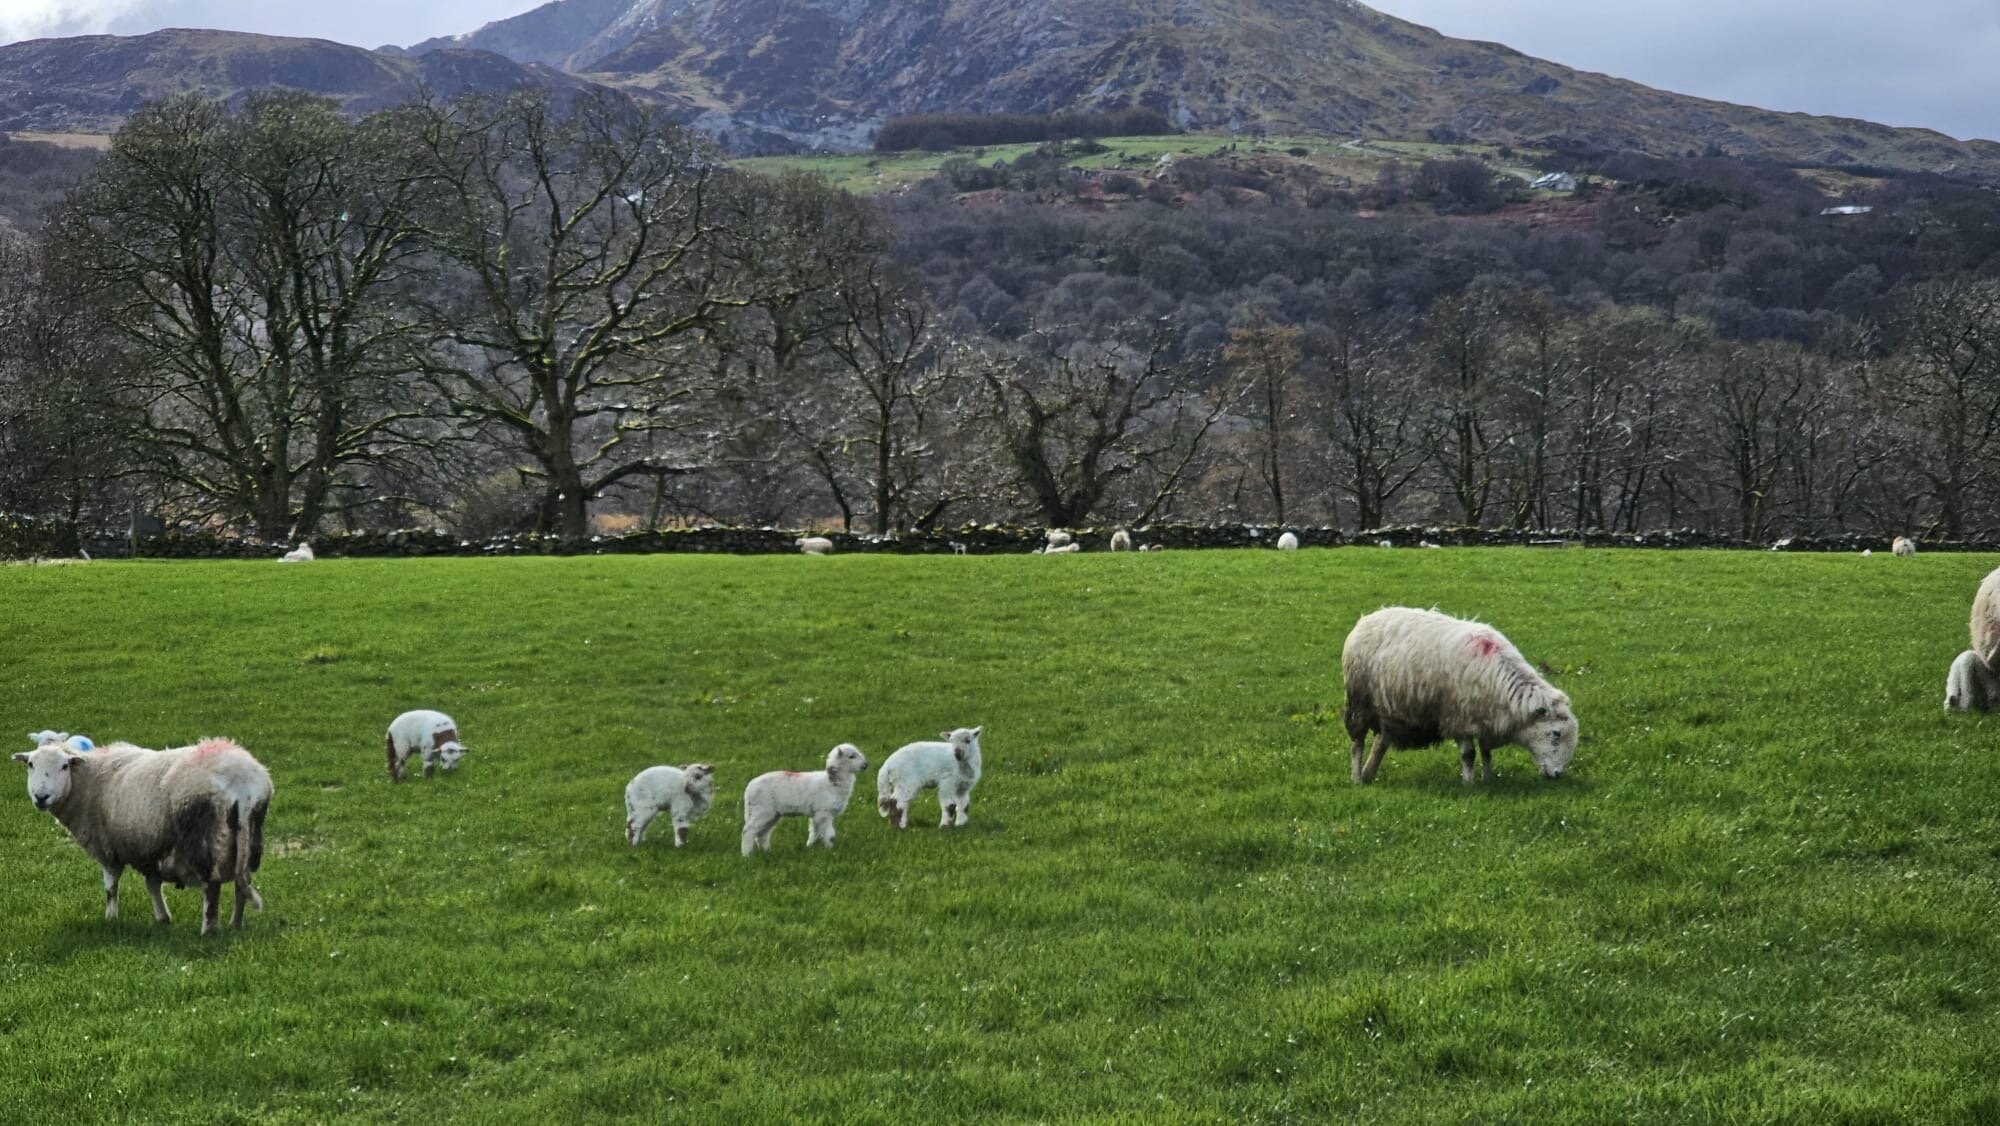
[211, 905]
[635, 826]
[964, 804]
[395, 764]
[430, 762]
[1485, 760]
[1374, 762]
[111, 890]
[243, 894]
[680, 832]
[1354, 753]
[160, 913]
[947, 809]
[822, 824]
[1466, 750]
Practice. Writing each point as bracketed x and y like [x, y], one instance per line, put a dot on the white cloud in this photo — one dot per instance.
[37, 19]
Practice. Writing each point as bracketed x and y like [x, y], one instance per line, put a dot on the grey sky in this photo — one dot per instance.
[1917, 62]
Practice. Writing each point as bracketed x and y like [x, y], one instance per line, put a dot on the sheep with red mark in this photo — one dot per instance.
[951, 768]
[684, 792]
[1417, 677]
[432, 735]
[191, 815]
[819, 795]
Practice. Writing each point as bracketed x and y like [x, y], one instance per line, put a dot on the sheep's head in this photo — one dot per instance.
[48, 773]
[846, 759]
[700, 779]
[964, 742]
[1550, 736]
[450, 751]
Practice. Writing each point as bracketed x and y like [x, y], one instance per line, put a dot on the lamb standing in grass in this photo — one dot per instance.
[683, 791]
[1417, 676]
[952, 767]
[192, 815]
[820, 795]
[431, 734]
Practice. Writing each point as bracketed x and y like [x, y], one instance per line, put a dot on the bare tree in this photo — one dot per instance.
[1264, 359]
[1369, 407]
[1459, 342]
[249, 266]
[1946, 392]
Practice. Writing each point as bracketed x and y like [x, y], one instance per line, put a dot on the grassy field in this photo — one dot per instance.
[1354, 160]
[1766, 892]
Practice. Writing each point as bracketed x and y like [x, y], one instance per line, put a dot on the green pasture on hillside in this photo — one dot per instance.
[1766, 892]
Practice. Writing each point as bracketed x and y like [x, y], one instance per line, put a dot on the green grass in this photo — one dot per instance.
[1766, 892]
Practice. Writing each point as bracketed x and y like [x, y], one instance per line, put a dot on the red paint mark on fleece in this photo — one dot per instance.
[215, 746]
[791, 773]
[1483, 646]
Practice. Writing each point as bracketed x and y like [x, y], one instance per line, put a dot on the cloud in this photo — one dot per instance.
[364, 23]
[38, 19]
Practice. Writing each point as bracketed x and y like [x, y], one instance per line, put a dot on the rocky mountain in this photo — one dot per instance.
[91, 83]
[823, 71]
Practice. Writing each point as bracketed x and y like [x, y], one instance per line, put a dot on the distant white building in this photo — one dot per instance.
[1846, 209]
[1554, 182]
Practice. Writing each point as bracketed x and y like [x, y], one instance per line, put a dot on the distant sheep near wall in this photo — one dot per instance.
[1288, 542]
[191, 815]
[1903, 546]
[1121, 540]
[1058, 538]
[300, 554]
[1063, 549]
[1416, 677]
[815, 545]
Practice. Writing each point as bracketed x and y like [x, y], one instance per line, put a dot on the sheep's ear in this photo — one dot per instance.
[21, 756]
[944, 734]
[977, 730]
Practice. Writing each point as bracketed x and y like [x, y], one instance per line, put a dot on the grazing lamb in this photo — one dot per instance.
[1058, 538]
[300, 554]
[192, 815]
[1970, 686]
[1417, 676]
[684, 791]
[431, 734]
[821, 795]
[815, 545]
[952, 767]
[1288, 542]
[79, 743]
[1121, 540]
[1903, 546]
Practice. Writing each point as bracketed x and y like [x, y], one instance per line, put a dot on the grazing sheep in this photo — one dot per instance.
[300, 554]
[1121, 540]
[957, 547]
[1986, 620]
[820, 795]
[78, 743]
[952, 767]
[1902, 546]
[815, 545]
[1062, 549]
[1153, 547]
[1417, 676]
[192, 815]
[1058, 538]
[684, 791]
[1385, 543]
[431, 734]
[1288, 542]
[1866, 552]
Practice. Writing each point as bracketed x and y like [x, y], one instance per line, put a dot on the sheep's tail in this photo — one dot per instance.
[885, 792]
[246, 846]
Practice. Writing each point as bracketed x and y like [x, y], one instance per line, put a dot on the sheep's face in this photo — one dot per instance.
[964, 742]
[48, 773]
[450, 753]
[1550, 738]
[700, 778]
[846, 758]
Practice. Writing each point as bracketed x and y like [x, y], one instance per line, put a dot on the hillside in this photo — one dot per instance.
[91, 83]
[821, 71]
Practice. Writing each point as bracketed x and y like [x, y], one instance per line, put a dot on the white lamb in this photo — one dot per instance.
[192, 815]
[1903, 546]
[820, 795]
[430, 734]
[1064, 549]
[815, 545]
[1288, 542]
[952, 767]
[683, 791]
[300, 554]
[1058, 538]
[1121, 540]
[1417, 676]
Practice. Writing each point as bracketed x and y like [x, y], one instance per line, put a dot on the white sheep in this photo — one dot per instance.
[192, 815]
[683, 791]
[1063, 549]
[1288, 542]
[300, 554]
[1417, 676]
[1970, 686]
[431, 734]
[951, 767]
[820, 795]
[1902, 546]
[815, 545]
[78, 743]
[1058, 538]
[1121, 540]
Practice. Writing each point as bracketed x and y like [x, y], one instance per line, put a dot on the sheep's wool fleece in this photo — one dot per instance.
[1462, 677]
